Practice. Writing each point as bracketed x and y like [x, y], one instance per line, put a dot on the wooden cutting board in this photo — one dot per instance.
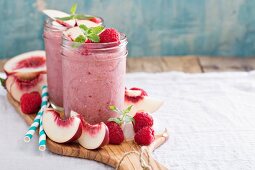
[109, 154]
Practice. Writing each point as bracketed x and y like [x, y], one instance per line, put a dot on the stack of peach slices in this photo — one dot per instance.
[26, 73]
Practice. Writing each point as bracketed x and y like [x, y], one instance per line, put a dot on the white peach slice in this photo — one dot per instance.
[53, 14]
[18, 84]
[128, 130]
[9, 82]
[30, 62]
[141, 101]
[94, 136]
[69, 23]
[59, 130]
[87, 23]
[73, 33]
[57, 25]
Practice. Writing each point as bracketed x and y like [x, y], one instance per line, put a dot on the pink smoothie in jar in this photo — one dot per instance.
[94, 78]
[52, 40]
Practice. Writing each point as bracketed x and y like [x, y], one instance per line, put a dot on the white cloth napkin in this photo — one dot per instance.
[210, 118]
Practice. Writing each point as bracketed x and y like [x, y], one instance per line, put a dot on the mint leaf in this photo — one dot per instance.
[84, 27]
[89, 31]
[82, 17]
[2, 81]
[116, 120]
[73, 15]
[97, 30]
[80, 39]
[65, 18]
[127, 110]
[73, 9]
[92, 34]
[94, 37]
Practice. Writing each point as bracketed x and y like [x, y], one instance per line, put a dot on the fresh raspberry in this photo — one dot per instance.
[144, 136]
[144, 93]
[109, 35]
[116, 134]
[30, 102]
[142, 119]
[88, 41]
[95, 20]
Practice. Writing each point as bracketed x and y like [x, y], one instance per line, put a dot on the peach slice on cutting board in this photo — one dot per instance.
[27, 63]
[18, 85]
[60, 130]
[140, 101]
[94, 136]
[25, 73]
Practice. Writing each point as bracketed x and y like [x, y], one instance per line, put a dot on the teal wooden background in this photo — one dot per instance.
[153, 27]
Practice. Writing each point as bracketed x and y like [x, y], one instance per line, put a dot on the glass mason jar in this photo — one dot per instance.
[94, 78]
[52, 40]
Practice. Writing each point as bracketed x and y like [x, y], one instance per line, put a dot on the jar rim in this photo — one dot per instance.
[48, 24]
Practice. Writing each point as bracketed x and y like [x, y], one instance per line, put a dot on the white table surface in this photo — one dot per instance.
[210, 118]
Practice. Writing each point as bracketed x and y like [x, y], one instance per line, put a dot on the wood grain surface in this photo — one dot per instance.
[109, 154]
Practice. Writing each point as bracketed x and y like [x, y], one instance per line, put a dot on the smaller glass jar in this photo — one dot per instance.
[52, 40]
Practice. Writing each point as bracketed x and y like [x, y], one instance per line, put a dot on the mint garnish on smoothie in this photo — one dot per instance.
[89, 33]
[73, 15]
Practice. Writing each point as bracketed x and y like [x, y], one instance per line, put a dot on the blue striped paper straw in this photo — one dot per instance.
[36, 123]
[42, 137]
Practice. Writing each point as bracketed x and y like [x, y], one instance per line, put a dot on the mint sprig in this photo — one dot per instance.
[73, 15]
[73, 9]
[2, 81]
[82, 17]
[89, 33]
[124, 117]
